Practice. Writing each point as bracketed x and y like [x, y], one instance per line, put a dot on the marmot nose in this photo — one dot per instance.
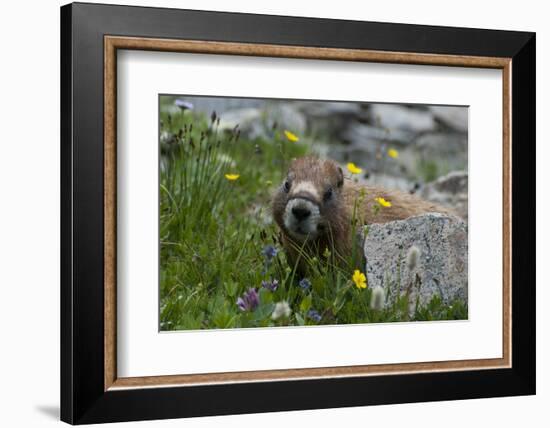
[301, 213]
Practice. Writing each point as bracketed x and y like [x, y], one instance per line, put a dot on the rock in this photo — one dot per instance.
[324, 109]
[363, 156]
[452, 117]
[398, 117]
[389, 181]
[258, 122]
[330, 118]
[442, 266]
[372, 157]
[451, 191]
[359, 133]
[249, 121]
[287, 116]
[446, 151]
[222, 104]
[442, 142]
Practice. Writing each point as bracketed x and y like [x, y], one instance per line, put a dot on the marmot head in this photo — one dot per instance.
[309, 201]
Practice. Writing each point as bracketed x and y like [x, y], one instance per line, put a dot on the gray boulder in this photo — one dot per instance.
[450, 190]
[286, 116]
[442, 263]
[360, 133]
[222, 104]
[328, 109]
[452, 117]
[330, 118]
[399, 117]
[258, 122]
[443, 150]
[249, 120]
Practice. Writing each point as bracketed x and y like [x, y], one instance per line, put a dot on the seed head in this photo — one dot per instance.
[412, 257]
[378, 298]
[282, 310]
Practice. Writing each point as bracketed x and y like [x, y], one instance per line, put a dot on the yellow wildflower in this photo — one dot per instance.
[392, 153]
[383, 202]
[232, 177]
[354, 169]
[291, 137]
[359, 279]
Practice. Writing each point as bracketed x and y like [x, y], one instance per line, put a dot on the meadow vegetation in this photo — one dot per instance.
[221, 264]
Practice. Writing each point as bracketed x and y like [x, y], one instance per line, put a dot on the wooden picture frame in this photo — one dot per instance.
[91, 390]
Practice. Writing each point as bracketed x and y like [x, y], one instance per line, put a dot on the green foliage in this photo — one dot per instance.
[213, 232]
[428, 170]
[437, 310]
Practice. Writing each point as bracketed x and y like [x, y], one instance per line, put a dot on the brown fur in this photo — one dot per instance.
[337, 212]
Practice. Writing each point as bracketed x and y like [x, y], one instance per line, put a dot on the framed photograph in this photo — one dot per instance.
[266, 213]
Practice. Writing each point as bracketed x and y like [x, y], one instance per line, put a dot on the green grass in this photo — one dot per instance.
[213, 232]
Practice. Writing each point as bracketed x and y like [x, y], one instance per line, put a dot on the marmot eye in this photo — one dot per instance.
[286, 186]
[328, 194]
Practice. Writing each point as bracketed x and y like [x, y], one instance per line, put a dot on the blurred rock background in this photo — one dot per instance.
[431, 141]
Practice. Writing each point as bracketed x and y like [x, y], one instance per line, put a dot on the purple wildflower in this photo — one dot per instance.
[269, 252]
[314, 315]
[304, 284]
[183, 104]
[249, 300]
[271, 285]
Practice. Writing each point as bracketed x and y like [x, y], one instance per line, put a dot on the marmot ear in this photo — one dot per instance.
[340, 177]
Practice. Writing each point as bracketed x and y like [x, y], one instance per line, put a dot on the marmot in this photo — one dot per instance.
[315, 207]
